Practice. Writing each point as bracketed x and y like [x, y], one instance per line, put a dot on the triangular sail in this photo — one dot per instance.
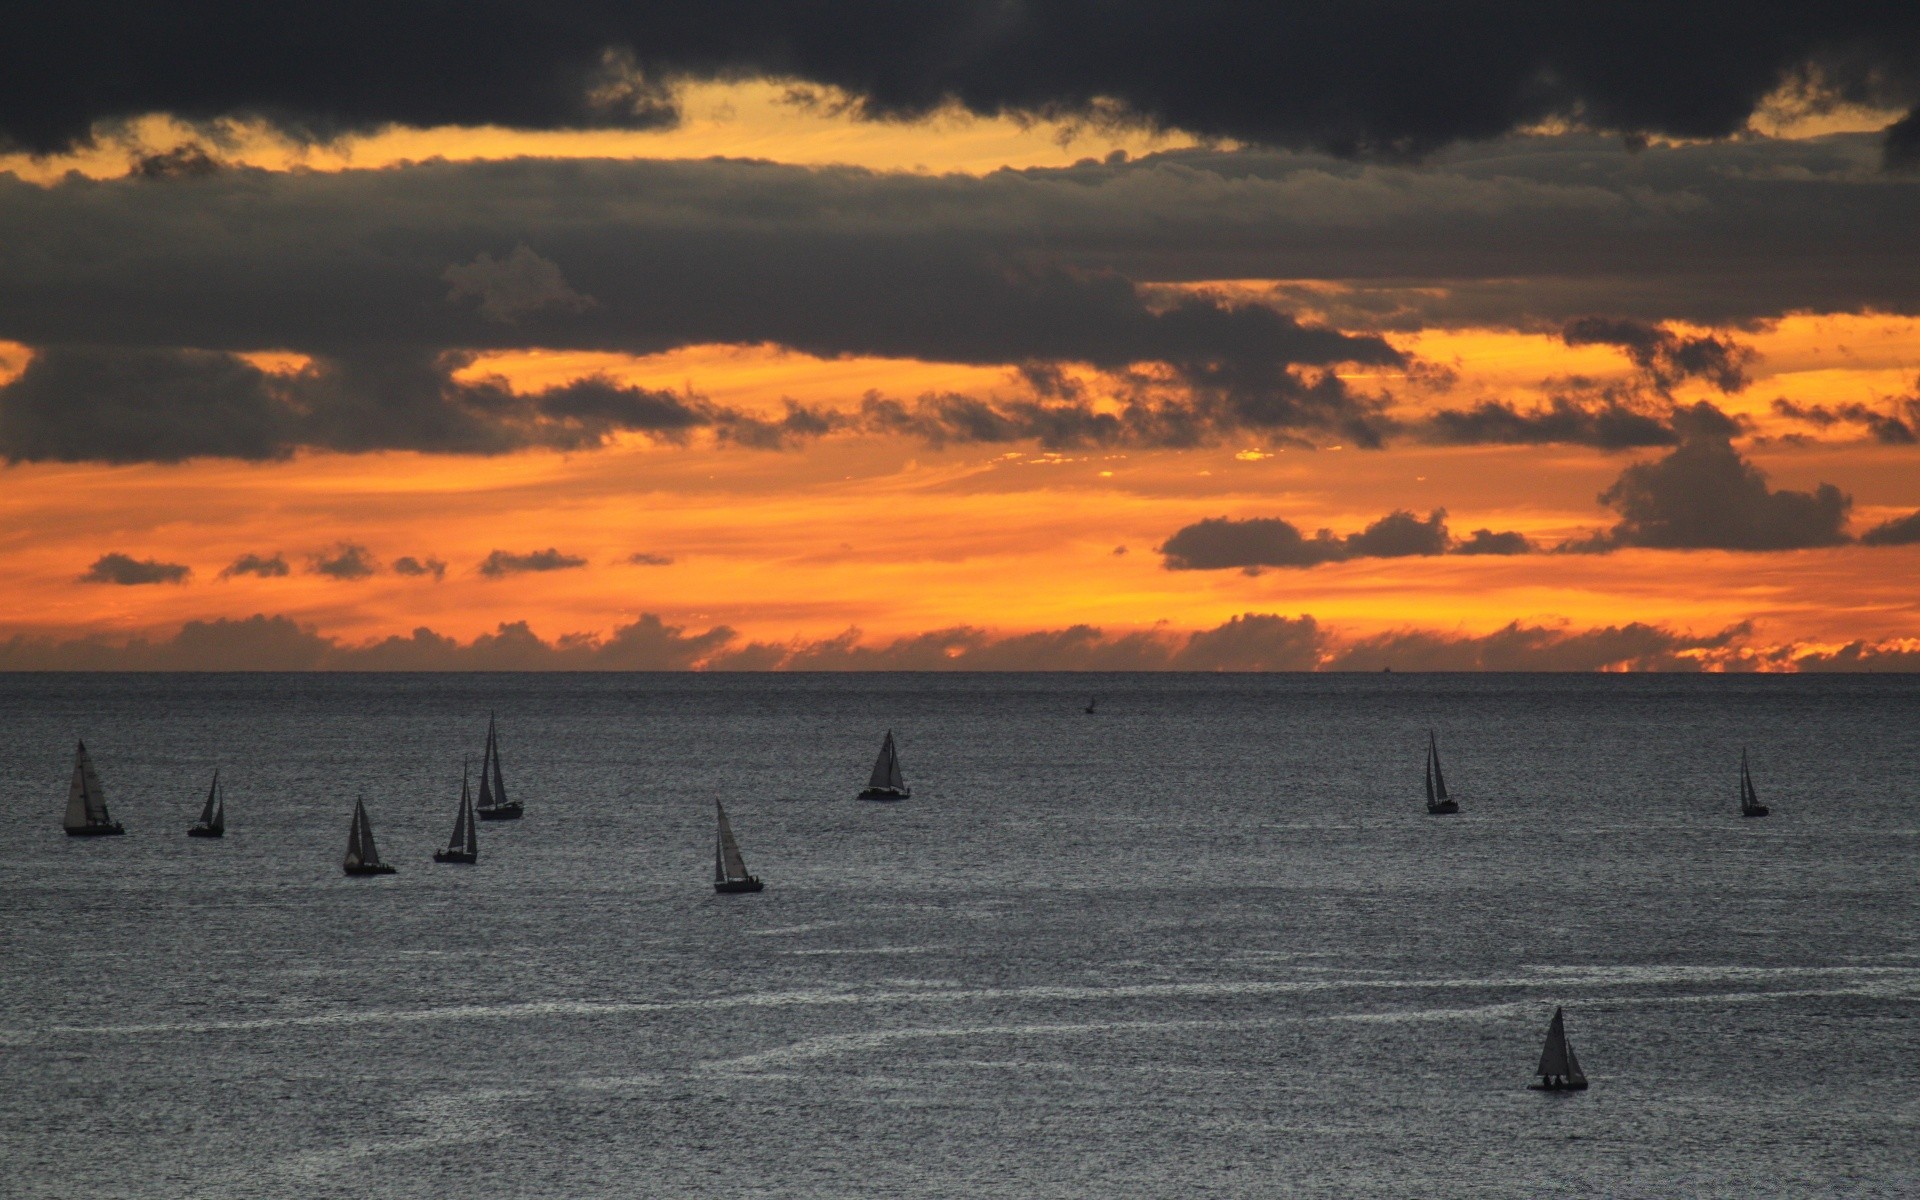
[206, 810]
[1433, 754]
[1553, 1056]
[499, 781]
[220, 815]
[356, 852]
[1748, 797]
[77, 806]
[886, 768]
[730, 865]
[466, 807]
[368, 852]
[463, 822]
[1574, 1074]
[1429, 781]
[486, 768]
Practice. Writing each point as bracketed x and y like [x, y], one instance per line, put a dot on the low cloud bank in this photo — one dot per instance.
[1218, 543]
[1249, 642]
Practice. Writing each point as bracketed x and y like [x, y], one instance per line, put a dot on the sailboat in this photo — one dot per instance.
[213, 815]
[1439, 804]
[1750, 805]
[886, 782]
[1559, 1070]
[86, 802]
[362, 857]
[463, 846]
[494, 805]
[1090, 705]
[729, 869]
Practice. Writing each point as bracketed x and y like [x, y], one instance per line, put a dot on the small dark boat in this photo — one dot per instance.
[363, 858]
[213, 816]
[1559, 1070]
[494, 805]
[1439, 804]
[886, 782]
[464, 845]
[87, 801]
[729, 869]
[1091, 703]
[1750, 805]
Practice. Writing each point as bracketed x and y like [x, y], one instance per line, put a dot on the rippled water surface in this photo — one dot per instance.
[1203, 943]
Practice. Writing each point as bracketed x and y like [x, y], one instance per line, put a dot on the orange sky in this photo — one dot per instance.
[895, 537]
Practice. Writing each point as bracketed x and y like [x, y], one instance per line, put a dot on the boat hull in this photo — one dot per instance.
[886, 794]
[369, 869]
[1758, 810]
[1558, 1087]
[203, 831]
[501, 812]
[95, 830]
[731, 886]
[1443, 808]
[454, 856]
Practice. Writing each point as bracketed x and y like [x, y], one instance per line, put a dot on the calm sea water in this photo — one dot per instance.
[1204, 943]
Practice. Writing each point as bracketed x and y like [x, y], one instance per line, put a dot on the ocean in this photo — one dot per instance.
[1205, 942]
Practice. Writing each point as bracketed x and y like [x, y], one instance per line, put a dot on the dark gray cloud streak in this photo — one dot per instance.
[127, 571]
[504, 562]
[1221, 543]
[1368, 76]
[266, 567]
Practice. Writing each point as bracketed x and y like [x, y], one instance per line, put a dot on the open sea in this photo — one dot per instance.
[1204, 943]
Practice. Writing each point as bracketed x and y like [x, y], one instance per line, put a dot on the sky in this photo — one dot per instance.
[960, 335]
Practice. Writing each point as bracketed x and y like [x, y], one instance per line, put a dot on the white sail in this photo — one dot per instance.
[77, 807]
[886, 768]
[731, 865]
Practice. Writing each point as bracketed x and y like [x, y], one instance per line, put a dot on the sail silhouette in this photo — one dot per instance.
[213, 815]
[363, 857]
[1438, 802]
[886, 782]
[730, 872]
[1750, 805]
[1559, 1069]
[494, 805]
[464, 845]
[87, 814]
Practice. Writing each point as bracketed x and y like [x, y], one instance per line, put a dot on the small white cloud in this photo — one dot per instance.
[522, 283]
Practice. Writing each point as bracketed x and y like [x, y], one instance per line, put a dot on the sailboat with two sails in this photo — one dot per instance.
[363, 857]
[494, 805]
[213, 814]
[464, 845]
[1439, 804]
[87, 801]
[729, 868]
[1559, 1070]
[886, 782]
[1750, 805]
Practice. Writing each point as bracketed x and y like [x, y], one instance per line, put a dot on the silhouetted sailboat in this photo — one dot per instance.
[86, 801]
[729, 869]
[1559, 1070]
[1439, 804]
[362, 856]
[1750, 805]
[494, 805]
[213, 816]
[1091, 703]
[464, 845]
[886, 782]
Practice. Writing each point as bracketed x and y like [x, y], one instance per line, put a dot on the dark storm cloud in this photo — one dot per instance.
[1704, 495]
[255, 564]
[1610, 423]
[1221, 543]
[126, 571]
[502, 562]
[1900, 531]
[1665, 357]
[344, 561]
[1373, 76]
[407, 564]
